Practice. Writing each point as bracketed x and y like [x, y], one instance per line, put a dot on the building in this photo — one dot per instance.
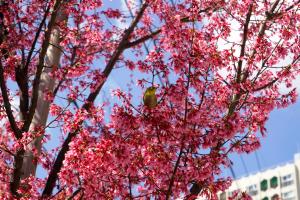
[281, 182]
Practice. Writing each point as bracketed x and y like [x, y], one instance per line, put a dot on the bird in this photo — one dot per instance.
[195, 189]
[150, 99]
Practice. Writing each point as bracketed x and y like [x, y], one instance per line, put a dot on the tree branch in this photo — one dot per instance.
[72, 63]
[142, 39]
[286, 69]
[16, 177]
[75, 194]
[130, 188]
[243, 46]
[154, 33]
[36, 38]
[40, 65]
[53, 175]
[292, 6]
[169, 192]
[22, 81]
[7, 105]
[264, 24]
[21, 72]
[18, 162]
[4, 91]
[120, 48]
[241, 77]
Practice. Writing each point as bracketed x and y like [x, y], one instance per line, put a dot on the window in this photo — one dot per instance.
[266, 198]
[275, 197]
[252, 190]
[223, 196]
[274, 182]
[264, 185]
[286, 180]
[288, 195]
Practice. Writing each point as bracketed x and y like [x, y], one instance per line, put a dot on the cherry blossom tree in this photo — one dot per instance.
[218, 66]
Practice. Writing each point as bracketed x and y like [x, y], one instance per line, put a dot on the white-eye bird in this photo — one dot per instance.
[150, 99]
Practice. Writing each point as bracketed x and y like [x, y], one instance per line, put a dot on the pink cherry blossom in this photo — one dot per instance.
[218, 67]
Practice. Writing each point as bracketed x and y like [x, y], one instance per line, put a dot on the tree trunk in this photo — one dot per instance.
[47, 83]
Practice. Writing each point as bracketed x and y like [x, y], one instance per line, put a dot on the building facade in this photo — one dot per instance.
[281, 182]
